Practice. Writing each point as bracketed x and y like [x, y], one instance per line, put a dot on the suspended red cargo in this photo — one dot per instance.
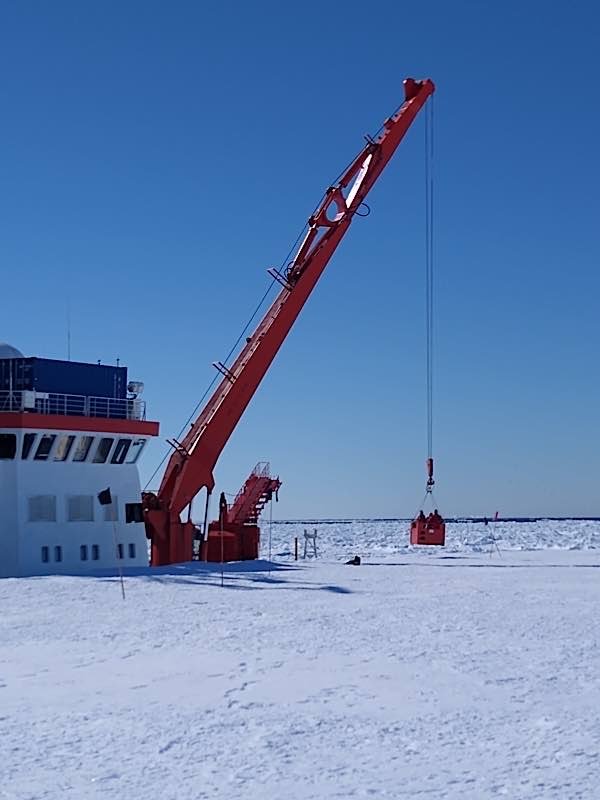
[429, 530]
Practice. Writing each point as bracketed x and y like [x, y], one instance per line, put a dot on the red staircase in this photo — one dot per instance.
[256, 492]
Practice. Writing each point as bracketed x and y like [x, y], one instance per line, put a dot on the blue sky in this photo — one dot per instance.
[157, 157]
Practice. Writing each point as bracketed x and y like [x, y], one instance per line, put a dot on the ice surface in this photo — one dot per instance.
[432, 674]
[391, 536]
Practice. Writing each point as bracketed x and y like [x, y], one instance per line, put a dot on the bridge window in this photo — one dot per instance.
[83, 552]
[8, 445]
[119, 550]
[58, 553]
[28, 441]
[102, 450]
[45, 554]
[120, 451]
[44, 447]
[83, 448]
[42, 508]
[131, 550]
[133, 512]
[80, 508]
[136, 450]
[95, 552]
[63, 448]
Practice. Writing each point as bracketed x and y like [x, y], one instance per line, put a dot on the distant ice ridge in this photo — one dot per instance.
[388, 537]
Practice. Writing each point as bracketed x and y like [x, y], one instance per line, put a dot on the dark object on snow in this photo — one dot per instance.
[355, 562]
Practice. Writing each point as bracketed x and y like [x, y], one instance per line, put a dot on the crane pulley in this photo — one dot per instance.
[192, 462]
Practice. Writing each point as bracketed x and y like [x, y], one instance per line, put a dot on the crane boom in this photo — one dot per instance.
[191, 465]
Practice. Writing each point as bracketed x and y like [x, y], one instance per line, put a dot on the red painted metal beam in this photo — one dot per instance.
[59, 422]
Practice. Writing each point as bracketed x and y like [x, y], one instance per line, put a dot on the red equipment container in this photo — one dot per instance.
[428, 531]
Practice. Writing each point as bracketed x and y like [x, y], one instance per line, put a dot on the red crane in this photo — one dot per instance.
[190, 468]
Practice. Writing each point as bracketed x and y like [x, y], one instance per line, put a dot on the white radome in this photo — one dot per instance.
[8, 351]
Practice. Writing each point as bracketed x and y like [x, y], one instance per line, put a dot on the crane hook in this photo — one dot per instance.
[430, 481]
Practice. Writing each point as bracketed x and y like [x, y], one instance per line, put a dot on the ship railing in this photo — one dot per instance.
[261, 470]
[72, 405]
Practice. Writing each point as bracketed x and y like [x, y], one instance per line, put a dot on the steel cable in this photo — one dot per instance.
[429, 285]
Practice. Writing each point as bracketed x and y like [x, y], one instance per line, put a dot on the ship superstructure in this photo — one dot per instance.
[68, 432]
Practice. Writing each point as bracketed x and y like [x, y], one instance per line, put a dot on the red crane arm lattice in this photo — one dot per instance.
[191, 465]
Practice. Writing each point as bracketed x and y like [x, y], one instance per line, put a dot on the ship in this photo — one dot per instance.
[71, 436]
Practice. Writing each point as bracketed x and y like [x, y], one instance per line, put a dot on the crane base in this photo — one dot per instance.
[236, 544]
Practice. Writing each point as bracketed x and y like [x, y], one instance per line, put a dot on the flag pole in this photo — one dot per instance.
[222, 518]
[105, 499]
[119, 566]
[270, 531]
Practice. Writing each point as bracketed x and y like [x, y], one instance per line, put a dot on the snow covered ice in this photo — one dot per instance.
[432, 673]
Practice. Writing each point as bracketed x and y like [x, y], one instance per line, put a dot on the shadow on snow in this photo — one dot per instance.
[238, 575]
